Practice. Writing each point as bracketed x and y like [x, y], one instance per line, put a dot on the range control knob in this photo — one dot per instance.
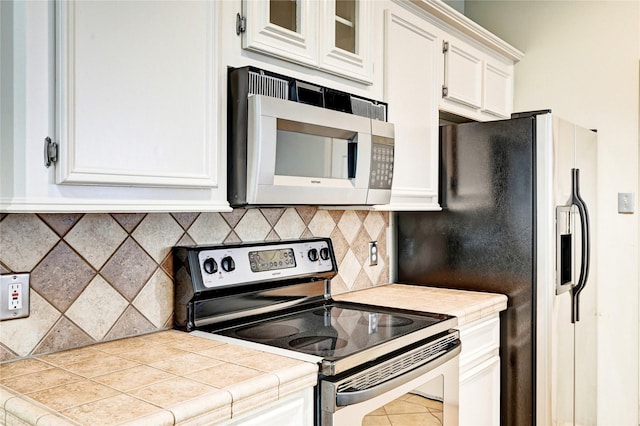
[210, 266]
[313, 254]
[228, 264]
[324, 253]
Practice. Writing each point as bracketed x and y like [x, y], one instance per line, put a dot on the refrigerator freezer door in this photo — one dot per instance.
[586, 329]
[573, 366]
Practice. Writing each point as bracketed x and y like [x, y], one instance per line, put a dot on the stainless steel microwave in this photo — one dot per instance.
[293, 143]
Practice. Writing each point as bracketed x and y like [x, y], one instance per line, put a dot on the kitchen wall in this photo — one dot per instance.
[581, 60]
[97, 277]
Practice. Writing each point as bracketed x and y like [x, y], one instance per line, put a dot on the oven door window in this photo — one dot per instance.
[312, 151]
[422, 406]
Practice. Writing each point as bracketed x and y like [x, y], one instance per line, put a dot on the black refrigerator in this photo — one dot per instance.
[518, 202]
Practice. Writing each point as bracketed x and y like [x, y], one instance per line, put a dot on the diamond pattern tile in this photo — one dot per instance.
[129, 269]
[63, 335]
[22, 335]
[185, 219]
[374, 223]
[350, 225]
[24, 240]
[349, 269]
[272, 215]
[360, 246]
[322, 224]
[340, 244]
[232, 218]
[209, 228]
[131, 323]
[128, 221]
[155, 300]
[306, 213]
[97, 308]
[253, 226]
[157, 233]
[61, 276]
[290, 225]
[109, 276]
[95, 237]
[60, 223]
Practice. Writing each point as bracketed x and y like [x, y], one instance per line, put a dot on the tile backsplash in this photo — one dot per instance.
[98, 277]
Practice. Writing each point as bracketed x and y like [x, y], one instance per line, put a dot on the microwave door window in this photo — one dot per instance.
[313, 151]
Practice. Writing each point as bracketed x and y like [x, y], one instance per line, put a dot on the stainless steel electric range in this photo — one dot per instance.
[276, 296]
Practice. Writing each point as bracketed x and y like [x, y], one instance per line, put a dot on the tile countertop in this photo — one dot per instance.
[468, 306]
[171, 377]
[165, 378]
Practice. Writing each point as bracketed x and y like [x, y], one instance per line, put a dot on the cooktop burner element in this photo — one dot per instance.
[318, 345]
[267, 332]
[333, 330]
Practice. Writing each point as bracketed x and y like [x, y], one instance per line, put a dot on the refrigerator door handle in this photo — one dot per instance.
[586, 244]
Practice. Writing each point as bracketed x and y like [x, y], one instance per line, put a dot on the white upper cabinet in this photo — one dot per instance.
[335, 36]
[436, 60]
[498, 89]
[285, 29]
[135, 105]
[347, 36]
[477, 84]
[462, 74]
[129, 91]
[412, 49]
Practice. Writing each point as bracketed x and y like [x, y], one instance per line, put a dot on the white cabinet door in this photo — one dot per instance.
[412, 89]
[129, 91]
[480, 372]
[292, 410]
[286, 29]
[498, 89]
[480, 395]
[347, 29]
[462, 74]
[136, 99]
[476, 84]
[334, 35]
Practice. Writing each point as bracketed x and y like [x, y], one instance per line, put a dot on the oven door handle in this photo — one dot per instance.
[349, 398]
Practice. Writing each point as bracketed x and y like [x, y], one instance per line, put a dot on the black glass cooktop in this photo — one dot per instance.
[334, 330]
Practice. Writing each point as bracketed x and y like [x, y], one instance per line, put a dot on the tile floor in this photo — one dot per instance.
[408, 410]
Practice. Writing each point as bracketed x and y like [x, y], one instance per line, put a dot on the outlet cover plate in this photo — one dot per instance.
[8, 284]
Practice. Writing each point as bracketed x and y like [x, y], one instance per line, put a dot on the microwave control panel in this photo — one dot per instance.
[381, 164]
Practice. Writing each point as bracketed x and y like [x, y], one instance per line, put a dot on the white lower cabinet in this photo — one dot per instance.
[480, 372]
[293, 410]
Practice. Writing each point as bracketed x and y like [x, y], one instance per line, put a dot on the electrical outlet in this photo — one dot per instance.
[373, 253]
[14, 296]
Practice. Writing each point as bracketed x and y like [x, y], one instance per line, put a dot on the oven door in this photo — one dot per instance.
[417, 392]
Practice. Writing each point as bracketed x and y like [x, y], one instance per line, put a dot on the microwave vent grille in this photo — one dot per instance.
[260, 84]
[368, 109]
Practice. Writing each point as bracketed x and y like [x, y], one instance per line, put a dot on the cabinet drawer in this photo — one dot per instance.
[480, 340]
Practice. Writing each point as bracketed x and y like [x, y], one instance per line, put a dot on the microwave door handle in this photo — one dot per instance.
[577, 200]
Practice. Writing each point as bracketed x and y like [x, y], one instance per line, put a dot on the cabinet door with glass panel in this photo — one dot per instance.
[335, 36]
